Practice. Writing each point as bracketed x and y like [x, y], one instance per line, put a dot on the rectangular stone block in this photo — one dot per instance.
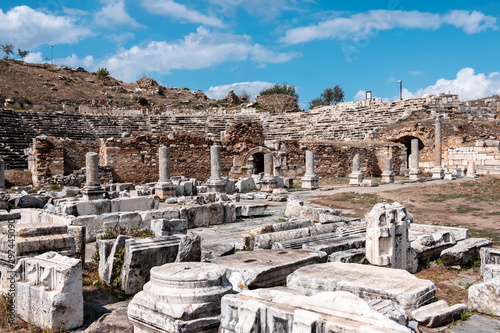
[368, 282]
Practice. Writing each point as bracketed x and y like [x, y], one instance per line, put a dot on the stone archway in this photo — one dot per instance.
[249, 163]
[406, 141]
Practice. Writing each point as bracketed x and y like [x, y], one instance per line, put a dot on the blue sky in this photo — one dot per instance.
[217, 45]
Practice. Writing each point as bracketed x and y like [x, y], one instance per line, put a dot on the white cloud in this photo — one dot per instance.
[253, 88]
[415, 73]
[114, 14]
[470, 22]
[467, 85]
[74, 12]
[27, 28]
[87, 62]
[174, 9]
[363, 25]
[34, 57]
[198, 50]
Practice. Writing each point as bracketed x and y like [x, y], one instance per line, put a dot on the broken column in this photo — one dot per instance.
[49, 291]
[4, 196]
[471, 170]
[310, 180]
[92, 189]
[415, 172]
[215, 183]
[388, 175]
[269, 182]
[180, 297]
[164, 188]
[356, 177]
[437, 171]
[387, 242]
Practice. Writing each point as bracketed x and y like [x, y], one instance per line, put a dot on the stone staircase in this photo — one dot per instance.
[15, 137]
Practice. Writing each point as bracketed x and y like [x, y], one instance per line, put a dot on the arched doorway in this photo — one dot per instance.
[406, 140]
[258, 163]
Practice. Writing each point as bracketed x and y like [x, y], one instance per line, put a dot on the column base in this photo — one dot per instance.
[415, 174]
[93, 193]
[165, 190]
[267, 185]
[216, 185]
[387, 177]
[310, 182]
[449, 176]
[356, 178]
[4, 199]
[437, 173]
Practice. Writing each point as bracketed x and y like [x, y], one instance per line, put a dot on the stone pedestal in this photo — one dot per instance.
[310, 180]
[437, 172]
[356, 177]
[388, 175]
[216, 183]
[49, 291]
[180, 297]
[4, 196]
[415, 172]
[471, 170]
[92, 189]
[269, 182]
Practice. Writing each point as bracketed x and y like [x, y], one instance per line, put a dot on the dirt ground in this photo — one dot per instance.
[473, 204]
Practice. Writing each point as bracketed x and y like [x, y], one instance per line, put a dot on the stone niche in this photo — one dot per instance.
[49, 291]
[180, 297]
[387, 241]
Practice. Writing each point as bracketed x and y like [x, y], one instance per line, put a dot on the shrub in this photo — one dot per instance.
[283, 89]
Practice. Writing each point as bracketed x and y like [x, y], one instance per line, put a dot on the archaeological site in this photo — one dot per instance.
[189, 214]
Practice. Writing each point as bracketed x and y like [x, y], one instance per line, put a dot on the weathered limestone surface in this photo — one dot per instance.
[295, 208]
[180, 297]
[92, 189]
[438, 171]
[269, 182]
[356, 177]
[430, 246]
[337, 244]
[104, 206]
[464, 251]
[164, 188]
[388, 175]
[438, 313]
[415, 172]
[387, 241]
[485, 297]
[427, 229]
[216, 183]
[490, 263]
[368, 282]
[251, 210]
[164, 227]
[282, 310]
[350, 256]
[32, 240]
[310, 180]
[49, 291]
[261, 269]
[471, 170]
[209, 214]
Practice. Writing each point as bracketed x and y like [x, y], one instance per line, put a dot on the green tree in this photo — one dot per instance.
[329, 96]
[8, 49]
[102, 74]
[22, 54]
[284, 89]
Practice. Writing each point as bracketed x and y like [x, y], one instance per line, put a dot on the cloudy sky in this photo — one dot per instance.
[218, 45]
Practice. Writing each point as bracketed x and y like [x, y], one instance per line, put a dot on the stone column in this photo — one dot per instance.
[310, 180]
[4, 196]
[92, 189]
[471, 170]
[388, 175]
[164, 162]
[415, 172]
[215, 183]
[356, 177]
[269, 182]
[164, 188]
[438, 171]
